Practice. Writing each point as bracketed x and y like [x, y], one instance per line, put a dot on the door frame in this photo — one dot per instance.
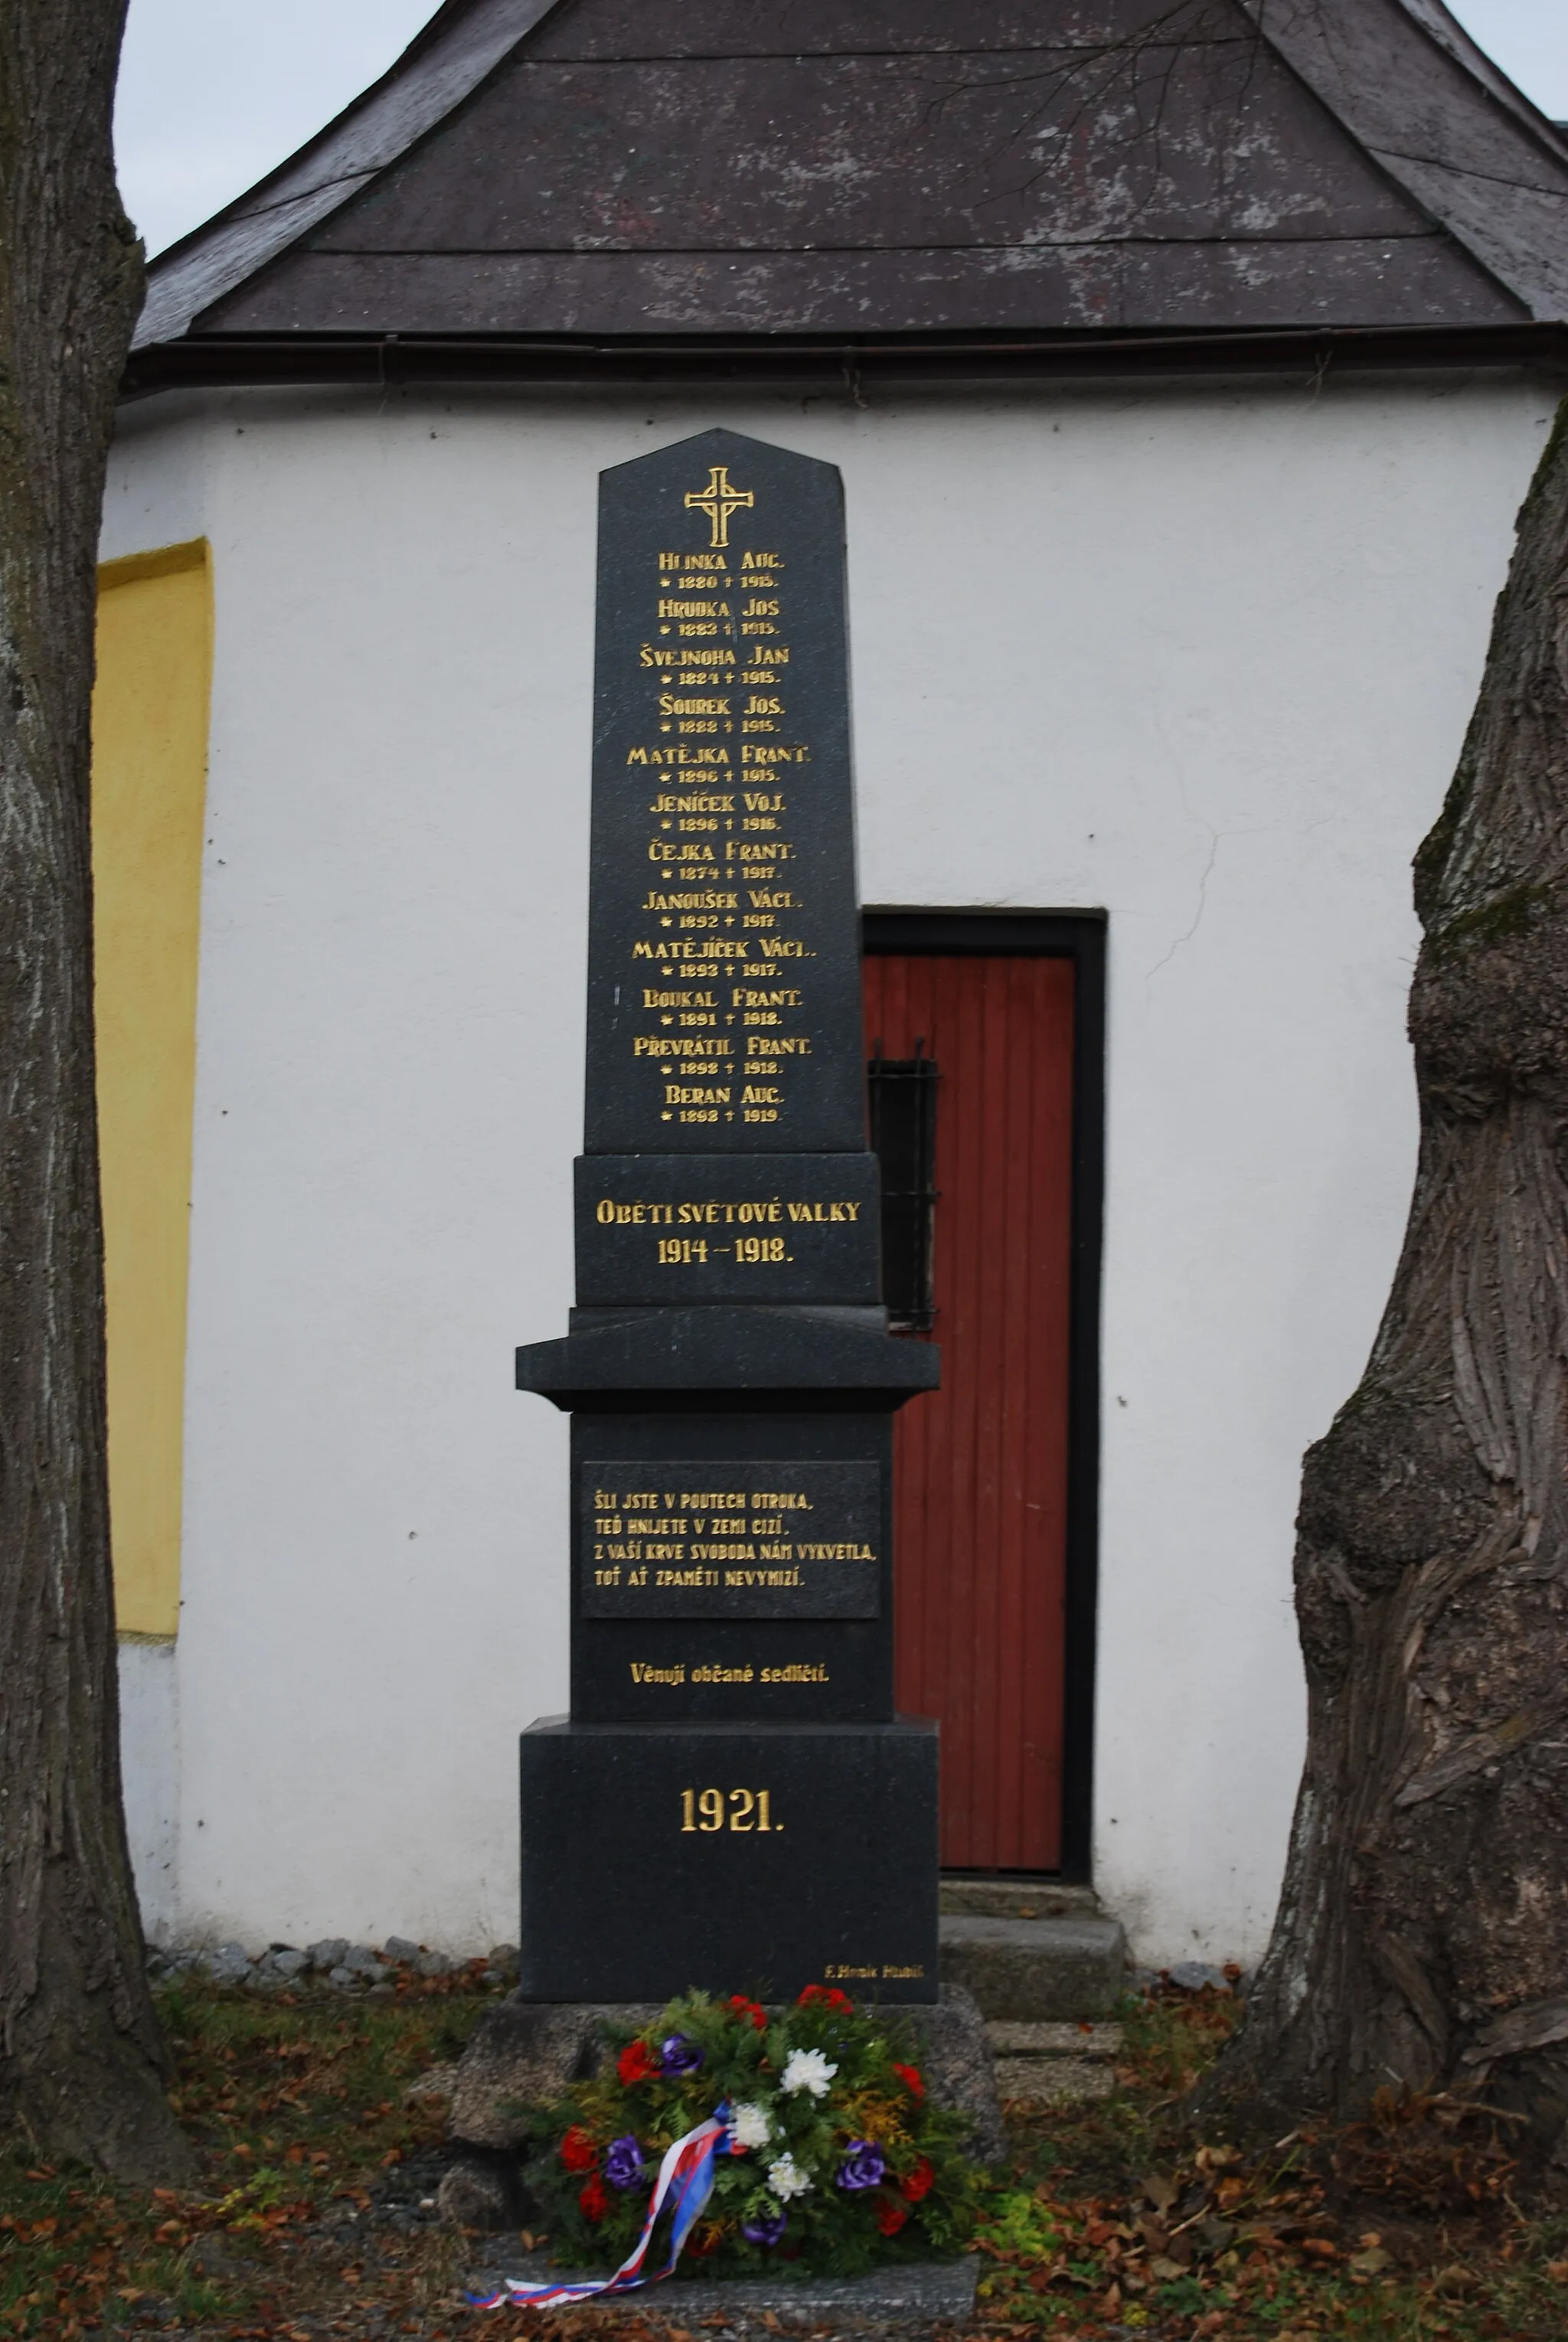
[1080, 936]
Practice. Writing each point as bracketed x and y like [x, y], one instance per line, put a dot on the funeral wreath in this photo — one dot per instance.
[834, 2159]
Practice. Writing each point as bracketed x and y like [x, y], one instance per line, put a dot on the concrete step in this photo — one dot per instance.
[1049, 2064]
[988, 1897]
[1035, 1970]
[1009, 2039]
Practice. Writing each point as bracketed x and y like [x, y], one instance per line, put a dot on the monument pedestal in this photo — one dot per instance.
[732, 1804]
[760, 1858]
[523, 2054]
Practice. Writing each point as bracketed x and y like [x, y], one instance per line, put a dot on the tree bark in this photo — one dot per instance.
[1421, 1939]
[82, 2062]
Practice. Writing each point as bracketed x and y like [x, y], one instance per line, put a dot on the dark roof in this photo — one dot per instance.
[737, 171]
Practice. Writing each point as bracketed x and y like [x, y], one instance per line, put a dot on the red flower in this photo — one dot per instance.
[912, 2079]
[577, 2150]
[748, 2009]
[917, 2182]
[827, 1994]
[593, 2200]
[891, 2215]
[636, 2062]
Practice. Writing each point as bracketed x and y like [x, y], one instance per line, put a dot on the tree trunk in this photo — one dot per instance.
[1421, 1939]
[81, 2059]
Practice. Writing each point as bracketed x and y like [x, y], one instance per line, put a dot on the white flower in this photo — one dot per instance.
[749, 2126]
[807, 2070]
[786, 2178]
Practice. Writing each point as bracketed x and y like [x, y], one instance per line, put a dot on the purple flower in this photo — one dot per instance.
[764, 2227]
[624, 2163]
[863, 2166]
[679, 2056]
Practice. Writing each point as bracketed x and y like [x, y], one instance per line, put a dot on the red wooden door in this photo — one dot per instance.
[980, 1473]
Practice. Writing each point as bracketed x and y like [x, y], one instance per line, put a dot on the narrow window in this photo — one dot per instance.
[903, 1092]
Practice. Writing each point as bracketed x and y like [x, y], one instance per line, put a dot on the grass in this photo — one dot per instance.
[1105, 2218]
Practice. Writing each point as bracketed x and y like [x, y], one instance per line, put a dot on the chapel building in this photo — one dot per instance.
[1185, 367]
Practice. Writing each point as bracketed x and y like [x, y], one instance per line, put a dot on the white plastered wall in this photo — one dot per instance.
[1202, 659]
[150, 1743]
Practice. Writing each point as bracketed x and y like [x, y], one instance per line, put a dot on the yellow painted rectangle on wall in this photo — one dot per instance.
[150, 715]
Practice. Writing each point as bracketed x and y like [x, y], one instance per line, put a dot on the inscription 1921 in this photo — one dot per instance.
[732, 1540]
[722, 969]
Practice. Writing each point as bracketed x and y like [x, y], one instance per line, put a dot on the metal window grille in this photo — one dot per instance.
[903, 1094]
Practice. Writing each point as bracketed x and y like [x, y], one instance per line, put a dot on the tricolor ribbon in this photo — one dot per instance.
[685, 2182]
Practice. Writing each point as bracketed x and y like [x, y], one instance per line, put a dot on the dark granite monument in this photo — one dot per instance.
[733, 1802]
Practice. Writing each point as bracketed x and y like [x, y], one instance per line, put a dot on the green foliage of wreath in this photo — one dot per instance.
[845, 2164]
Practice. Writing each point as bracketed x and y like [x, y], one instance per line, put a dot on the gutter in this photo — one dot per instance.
[821, 363]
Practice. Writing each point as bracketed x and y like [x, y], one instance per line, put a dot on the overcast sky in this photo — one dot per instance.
[213, 92]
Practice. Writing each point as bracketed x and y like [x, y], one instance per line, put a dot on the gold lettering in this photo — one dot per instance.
[682, 1252]
[674, 756]
[709, 901]
[706, 1811]
[662, 657]
[684, 1046]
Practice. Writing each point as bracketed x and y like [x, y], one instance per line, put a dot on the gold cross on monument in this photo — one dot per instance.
[719, 500]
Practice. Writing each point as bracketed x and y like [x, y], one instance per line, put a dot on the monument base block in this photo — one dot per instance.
[756, 1859]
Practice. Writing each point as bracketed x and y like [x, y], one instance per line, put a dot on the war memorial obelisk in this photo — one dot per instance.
[732, 1803]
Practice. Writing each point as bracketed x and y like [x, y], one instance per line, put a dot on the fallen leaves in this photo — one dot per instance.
[1402, 2226]
[1405, 2219]
[1160, 2190]
[285, 2171]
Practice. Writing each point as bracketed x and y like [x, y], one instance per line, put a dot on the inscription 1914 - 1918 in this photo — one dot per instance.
[740, 1227]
